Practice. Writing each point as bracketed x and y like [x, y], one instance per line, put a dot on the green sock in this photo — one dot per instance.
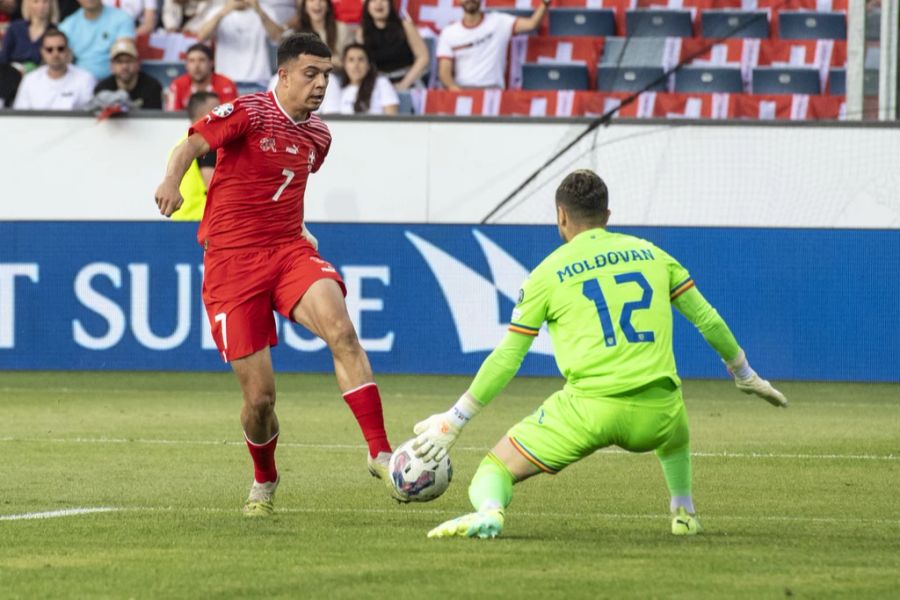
[676, 466]
[492, 484]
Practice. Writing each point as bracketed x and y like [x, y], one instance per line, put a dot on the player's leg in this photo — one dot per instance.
[544, 442]
[257, 380]
[322, 310]
[675, 458]
[240, 316]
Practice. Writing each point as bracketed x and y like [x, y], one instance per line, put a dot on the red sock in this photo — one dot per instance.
[263, 459]
[365, 402]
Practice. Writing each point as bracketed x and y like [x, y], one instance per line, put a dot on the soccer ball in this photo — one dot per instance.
[418, 480]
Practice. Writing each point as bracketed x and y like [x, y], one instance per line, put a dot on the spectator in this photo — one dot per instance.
[144, 90]
[10, 77]
[195, 182]
[241, 29]
[394, 44]
[140, 11]
[177, 13]
[92, 30]
[317, 16]
[360, 90]
[472, 52]
[22, 42]
[199, 78]
[9, 12]
[57, 85]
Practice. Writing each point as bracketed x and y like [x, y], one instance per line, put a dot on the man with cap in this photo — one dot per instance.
[144, 90]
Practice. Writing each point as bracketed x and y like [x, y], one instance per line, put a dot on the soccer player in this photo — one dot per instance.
[606, 299]
[259, 256]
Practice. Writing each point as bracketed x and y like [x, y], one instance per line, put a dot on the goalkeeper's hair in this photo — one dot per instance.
[584, 196]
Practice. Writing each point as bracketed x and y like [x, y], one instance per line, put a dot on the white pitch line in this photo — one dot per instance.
[608, 451]
[437, 512]
[52, 514]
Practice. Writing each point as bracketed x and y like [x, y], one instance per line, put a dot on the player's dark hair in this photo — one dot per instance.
[330, 24]
[584, 196]
[196, 102]
[301, 43]
[200, 48]
[366, 86]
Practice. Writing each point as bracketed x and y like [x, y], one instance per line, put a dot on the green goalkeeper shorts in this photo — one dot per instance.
[566, 428]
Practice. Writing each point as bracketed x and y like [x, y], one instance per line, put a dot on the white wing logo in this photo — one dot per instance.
[473, 300]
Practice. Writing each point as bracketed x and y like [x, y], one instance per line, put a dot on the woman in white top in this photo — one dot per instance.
[359, 89]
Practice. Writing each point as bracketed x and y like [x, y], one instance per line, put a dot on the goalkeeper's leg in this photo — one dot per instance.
[675, 457]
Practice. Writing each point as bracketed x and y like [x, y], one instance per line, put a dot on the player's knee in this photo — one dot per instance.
[260, 401]
[342, 338]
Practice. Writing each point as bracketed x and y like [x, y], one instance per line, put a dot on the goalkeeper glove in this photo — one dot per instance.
[749, 382]
[437, 434]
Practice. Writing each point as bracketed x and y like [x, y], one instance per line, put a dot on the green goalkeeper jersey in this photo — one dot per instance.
[607, 301]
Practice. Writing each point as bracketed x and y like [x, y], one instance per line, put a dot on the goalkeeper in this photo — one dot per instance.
[606, 300]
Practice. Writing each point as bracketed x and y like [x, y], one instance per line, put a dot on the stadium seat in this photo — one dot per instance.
[554, 77]
[807, 25]
[658, 23]
[709, 80]
[633, 52]
[837, 82]
[785, 80]
[163, 72]
[718, 24]
[873, 25]
[634, 79]
[406, 104]
[582, 21]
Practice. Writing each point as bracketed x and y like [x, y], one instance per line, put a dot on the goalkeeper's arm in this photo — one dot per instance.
[715, 331]
[437, 433]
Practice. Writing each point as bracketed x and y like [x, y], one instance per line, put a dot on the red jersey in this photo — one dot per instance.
[264, 159]
[182, 87]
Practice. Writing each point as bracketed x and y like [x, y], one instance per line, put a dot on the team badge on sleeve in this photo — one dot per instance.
[521, 295]
[223, 110]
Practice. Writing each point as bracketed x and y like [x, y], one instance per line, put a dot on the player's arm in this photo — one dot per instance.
[168, 198]
[688, 300]
[437, 434]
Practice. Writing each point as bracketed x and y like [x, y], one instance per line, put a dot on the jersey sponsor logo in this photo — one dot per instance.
[267, 144]
[463, 288]
[223, 110]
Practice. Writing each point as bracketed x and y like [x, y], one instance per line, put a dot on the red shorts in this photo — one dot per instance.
[241, 288]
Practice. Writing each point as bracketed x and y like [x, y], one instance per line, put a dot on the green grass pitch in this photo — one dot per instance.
[800, 502]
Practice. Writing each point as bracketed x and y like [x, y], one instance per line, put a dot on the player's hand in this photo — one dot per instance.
[749, 382]
[168, 198]
[758, 386]
[435, 436]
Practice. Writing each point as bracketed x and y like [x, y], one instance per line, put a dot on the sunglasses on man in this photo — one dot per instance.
[52, 49]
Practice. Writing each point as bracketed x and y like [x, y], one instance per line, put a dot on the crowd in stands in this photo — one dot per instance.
[479, 57]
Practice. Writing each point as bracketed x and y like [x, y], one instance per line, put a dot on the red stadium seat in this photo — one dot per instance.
[694, 106]
[462, 104]
[518, 103]
[795, 108]
[556, 49]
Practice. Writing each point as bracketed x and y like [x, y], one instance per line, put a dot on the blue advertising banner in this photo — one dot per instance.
[805, 304]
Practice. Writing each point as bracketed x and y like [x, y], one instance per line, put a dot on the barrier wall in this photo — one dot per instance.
[440, 171]
[805, 304]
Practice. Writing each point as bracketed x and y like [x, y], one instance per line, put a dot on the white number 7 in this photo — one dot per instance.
[289, 176]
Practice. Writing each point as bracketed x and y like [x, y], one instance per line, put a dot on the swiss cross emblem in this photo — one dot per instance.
[312, 159]
[267, 144]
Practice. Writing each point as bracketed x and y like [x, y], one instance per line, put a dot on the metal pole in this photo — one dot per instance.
[856, 58]
[887, 77]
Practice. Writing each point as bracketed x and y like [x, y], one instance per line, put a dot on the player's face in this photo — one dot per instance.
[125, 68]
[198, 66]
[379, 9]
[302, 82]
[356, 65]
